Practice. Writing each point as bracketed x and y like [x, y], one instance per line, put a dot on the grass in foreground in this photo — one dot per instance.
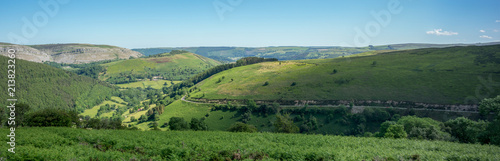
[80, 144]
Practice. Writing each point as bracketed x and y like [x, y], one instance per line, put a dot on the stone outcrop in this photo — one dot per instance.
[26, 53]
[69, 53]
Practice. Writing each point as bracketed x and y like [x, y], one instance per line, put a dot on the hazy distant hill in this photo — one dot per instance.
[68, 53]
[231, 54]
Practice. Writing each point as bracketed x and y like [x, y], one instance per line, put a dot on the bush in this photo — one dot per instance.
[198, 125]
[284, 124]
[53, 117]
[465, 130]
[395, 131]
[242, 127]
[177, 123]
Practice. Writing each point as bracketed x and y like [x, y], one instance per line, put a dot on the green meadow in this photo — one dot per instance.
[439, 76]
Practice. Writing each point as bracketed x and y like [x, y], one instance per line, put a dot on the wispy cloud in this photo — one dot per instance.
[497, 21]
[440, 32]
[482, 31]
[495, 30]
[485, 37]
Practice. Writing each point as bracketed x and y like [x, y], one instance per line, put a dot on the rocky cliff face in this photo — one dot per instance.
[69, 53]
[26, 53]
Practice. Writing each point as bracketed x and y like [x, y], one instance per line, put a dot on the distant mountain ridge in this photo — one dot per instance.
[231, 54]
[68, 53]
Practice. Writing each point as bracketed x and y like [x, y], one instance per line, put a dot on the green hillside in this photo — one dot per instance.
[438, 76]
[231, 54]
[80, 144]
[178, 66]
[42, 86]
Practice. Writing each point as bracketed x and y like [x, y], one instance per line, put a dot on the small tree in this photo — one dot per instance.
[335, 71]
[284, 124]
[266, 83]
[197, 125]
[242, 127]
[177, 123]
[374, 63]
[490, 105]
[396, 131]
[133, 119]
[143, 118]
[251, 105]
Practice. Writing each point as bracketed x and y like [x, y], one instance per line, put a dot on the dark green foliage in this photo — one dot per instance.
[293, 84]
[493, 133]
[251, 105]
[198, 125]
[104, 123]
[265, 83]
[423, 128]
[178, 123]
[486, 56]
[490, 105]
[174, 52]
[92, 71]
[21, 110]
[242, 127]
[308, 125]
[284, 124]
[395, 131]
[247, 116]
[383, 128]
[53, 117]
[467, 131]
[376, 115]
[143, 118]
[47, 87]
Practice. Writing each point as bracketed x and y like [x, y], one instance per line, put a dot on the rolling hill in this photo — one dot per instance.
[69, 53]
[42, 86]
[231, 54]
[455, 75]
[169, 66]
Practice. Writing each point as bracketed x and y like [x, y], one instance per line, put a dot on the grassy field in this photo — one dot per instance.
[158, 84]
[172, 67]
[441, 76]
[80, 144]
[133, 65]
[93, 111]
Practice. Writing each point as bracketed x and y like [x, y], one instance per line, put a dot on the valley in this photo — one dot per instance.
[425, 92]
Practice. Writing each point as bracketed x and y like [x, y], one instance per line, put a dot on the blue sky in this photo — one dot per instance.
[249, 23]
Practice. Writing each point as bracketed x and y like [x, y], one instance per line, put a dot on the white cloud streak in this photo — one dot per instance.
[440, 32]
[485, 37]
[482, 31]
